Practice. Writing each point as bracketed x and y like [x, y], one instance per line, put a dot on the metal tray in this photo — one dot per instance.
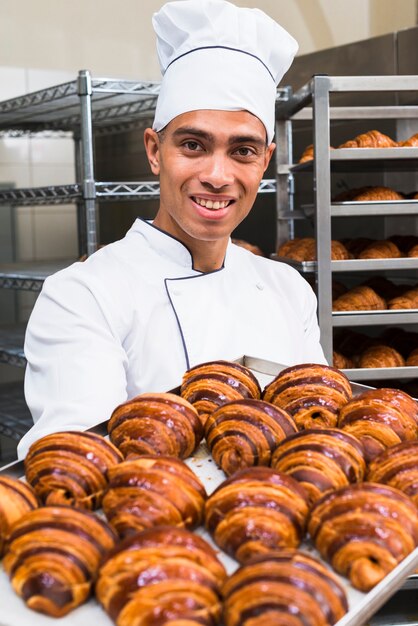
[13, 612]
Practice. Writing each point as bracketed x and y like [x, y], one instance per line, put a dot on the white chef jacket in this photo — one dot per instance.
[136, 314]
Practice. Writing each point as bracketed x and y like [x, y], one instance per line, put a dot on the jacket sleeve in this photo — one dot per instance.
[312, 348]
[76, 364]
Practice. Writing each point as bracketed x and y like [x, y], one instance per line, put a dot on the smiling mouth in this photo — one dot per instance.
[210, 204]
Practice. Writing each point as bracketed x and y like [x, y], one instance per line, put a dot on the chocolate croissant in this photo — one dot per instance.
[210, 385]
[70, 468]
[163, 575]
[380, 418]
[321, 460]
[371, 139]
[54, 555]
[156, 423]
[245, 433]
[289, 588]
[381, 356]
[397, 467]
[311, 393]
[153, 491]
[361, 298]
[256, 510]
[364, 531]
[382, 249]
[408, 300]
[16, 499]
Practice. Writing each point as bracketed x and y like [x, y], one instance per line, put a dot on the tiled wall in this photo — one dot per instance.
[42, 232]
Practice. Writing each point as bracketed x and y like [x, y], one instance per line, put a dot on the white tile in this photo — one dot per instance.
[42, 79]
[44, 175]
[24, 233]
[17, 175]
[55, 232]
[12, 82]
[14, 150]
[52, 150]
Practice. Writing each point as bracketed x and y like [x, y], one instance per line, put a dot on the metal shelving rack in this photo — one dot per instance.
[313, 102]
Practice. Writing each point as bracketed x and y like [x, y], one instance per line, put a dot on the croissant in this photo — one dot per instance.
[287, 246]
[311, 393]
[289, 587]
[70, 468]
[380, 418]
[397, 467]
[156, 423]
[361, 298]
[371, 139]
[54, 555]
[307, 154]
[377, 194]
[364, 530]
[341, 362]
[162, 576]
[256, 510]
[245, 433]
[384, 249]
[153, 491]
[16, 499]
[413, 252]
[248, 246]
[381, 356]
[321, 460]
[412, 358]
[299, 249]
[209, 385]
[408, 300]
[412, 142]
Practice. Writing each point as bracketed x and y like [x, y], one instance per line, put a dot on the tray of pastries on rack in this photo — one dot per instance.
[369, 139]
[253, 494]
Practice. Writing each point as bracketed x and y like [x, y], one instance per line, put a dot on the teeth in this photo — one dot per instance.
[208, 204]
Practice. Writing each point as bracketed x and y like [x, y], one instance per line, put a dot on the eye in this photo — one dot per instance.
[192, 145]
[244, 151]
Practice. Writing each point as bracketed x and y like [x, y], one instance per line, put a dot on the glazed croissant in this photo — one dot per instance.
[54, 555]
[153, 491]
[371, 139]
[245, 433]
[380, 418]
[397, 467]
[70, 468]
[16, 499]
[321, 460]
[289, 588]
[381, 356]
[311, 393]
[361, 298]
[383, 249]
[408, 300]
[156, 423]
[209, 385]
[364, 531]
[162, 575]
[256, 510]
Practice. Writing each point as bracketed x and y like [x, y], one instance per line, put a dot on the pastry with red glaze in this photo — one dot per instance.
[156, 423]
[312, 393]
[244, 433]
[153, 491]
[257, 510]
[70, 468]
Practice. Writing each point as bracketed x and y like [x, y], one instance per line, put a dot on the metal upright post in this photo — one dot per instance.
[84, 90]
[322, 187]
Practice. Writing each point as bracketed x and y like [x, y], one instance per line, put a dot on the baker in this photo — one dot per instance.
[176, 292]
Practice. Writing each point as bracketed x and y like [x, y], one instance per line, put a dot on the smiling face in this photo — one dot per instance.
[210, 165]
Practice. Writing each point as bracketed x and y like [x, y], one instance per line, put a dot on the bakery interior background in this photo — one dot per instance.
[46, 42]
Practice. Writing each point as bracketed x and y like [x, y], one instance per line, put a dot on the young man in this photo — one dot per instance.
[176, 292]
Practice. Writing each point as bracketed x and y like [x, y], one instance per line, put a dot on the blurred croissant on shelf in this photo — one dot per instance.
[361, 298]
[370, 139]
[305, 250]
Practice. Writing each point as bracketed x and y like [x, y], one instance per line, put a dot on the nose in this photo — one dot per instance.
[217, 171]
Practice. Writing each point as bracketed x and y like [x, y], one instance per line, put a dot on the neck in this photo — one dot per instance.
[208, 256]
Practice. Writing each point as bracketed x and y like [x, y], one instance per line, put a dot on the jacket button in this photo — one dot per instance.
[260, 286]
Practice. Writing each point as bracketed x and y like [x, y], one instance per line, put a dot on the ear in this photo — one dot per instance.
[269, 153]
[152, 148]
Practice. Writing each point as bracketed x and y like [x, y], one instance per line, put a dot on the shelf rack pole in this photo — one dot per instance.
[84, 90]
[322, 186]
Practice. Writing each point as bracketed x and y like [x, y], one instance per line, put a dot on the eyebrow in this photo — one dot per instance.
[234, 139]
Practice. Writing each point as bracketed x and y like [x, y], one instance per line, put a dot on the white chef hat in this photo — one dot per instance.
[215, 55]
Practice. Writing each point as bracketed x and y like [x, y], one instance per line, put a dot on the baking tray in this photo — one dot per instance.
[13, 612]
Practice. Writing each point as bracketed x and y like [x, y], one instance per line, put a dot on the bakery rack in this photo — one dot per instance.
[312, 102]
